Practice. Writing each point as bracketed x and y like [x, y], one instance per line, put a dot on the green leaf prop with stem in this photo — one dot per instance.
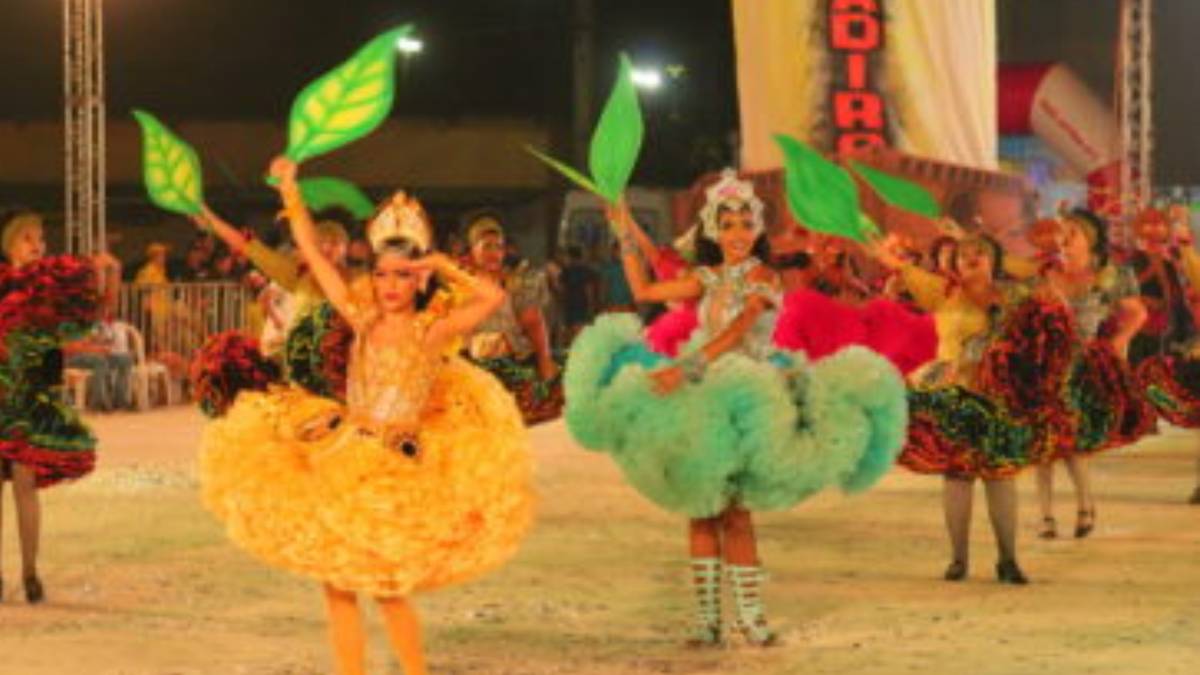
[821, 194]
[898, 192]
[616, 141]
[326, 192]
[170, 168]
[348, 102]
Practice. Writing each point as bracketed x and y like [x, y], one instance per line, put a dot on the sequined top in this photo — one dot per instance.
[389, 385]
[727, 289]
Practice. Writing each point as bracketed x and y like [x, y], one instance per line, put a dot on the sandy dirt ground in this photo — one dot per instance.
[142, 581]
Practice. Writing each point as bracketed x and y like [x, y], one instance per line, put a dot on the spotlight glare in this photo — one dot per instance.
[647, 78]
[410, 45]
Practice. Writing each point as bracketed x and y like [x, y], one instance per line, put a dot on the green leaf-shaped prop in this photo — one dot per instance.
[821, 194]
[616, 141]
[323, 193]
[348, 102]
[566, 170]
[170, 168]
[898, 192]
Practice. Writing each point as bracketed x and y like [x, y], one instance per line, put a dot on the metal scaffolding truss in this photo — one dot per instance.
[1134, 104]
[83, 78]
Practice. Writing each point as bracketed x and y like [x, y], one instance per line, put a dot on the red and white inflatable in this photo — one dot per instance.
[1050, 101]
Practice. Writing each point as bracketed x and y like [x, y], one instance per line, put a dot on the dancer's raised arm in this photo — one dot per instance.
[483, 298]
[304, 233]
[763, 296]
[278, 267]
[686, 287]
[929, 290]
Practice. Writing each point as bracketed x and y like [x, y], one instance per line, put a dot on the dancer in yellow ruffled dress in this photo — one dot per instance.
[421, 480]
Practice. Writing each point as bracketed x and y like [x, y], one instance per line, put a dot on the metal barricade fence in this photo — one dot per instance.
[176, 319]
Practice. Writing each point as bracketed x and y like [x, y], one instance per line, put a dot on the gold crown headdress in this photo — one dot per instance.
[731, 193]
[400, 217]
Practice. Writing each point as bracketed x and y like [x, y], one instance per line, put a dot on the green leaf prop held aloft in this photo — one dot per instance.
[323, 193]
[170, 168]
[821, 194]
[348, 102]
[898, 192]
[616, 141]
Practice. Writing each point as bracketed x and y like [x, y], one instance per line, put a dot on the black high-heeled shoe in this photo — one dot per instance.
[1086, 523]
[956, 571]
[34, 593]
[1007, 572]
[1049, 528]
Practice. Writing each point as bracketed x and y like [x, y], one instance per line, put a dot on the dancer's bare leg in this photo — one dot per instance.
[1002, 511]
[404, 632]
[346, 631]
[29, 517]
[1085, 502]
[741, 547]
[1045, 489]
[1196, 493]
[957, 495]
[3, 468]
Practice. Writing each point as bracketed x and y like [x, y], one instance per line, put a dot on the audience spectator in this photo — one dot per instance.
[358, 255]
[617, 295]
[512, 256]
[106, 354]
[456, 248]
[197, 264]
[154, 271]
[578, 292]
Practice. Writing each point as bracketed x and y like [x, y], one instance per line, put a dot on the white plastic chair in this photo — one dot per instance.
[144, 373]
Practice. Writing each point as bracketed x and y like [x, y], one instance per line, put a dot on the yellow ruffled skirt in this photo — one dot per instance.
[305, 489]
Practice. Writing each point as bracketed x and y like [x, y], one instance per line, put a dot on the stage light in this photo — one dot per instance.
[647, 78]
[410, 45]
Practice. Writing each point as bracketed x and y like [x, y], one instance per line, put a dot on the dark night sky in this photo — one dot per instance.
[223, 59]
[247, 58]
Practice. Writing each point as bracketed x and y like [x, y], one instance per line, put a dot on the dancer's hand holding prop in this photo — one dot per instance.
[619, 219]
[616, 142]
[886, 249]
[824, 198]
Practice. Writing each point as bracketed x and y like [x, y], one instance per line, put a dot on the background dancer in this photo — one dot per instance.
[1108, 406]
[44, 302]
[960, 427]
